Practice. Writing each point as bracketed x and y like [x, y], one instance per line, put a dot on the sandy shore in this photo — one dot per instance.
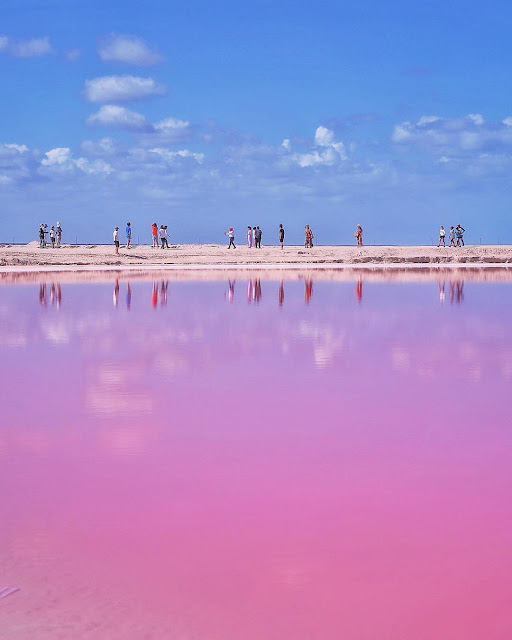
[204, 255]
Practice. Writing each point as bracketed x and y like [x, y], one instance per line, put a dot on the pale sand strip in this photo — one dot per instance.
[218, 256]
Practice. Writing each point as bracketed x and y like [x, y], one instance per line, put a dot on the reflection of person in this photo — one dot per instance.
[441, 286]
[231, 291]
[231, 235]
[359, 290]
[163, 293]
[128, 234]
[457, 291]
[249, 291]
[115, 296]
[442, 235]
[358, 235]
[42, 294]
[281, 235]
[308, 290]
[128, 296]
[281, 293]
[115, 235]
[249, 237]
[154, 295]
[257, 290]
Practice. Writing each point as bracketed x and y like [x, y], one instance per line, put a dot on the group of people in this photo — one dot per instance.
[54, 235]
[159, 234]
[456, 236]
[254, 237]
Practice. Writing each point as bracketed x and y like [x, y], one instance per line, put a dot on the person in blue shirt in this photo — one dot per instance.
[459, 232]
[128, 234]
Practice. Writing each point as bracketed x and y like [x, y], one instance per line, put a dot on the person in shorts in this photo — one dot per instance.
[116, 239]
[442, 236]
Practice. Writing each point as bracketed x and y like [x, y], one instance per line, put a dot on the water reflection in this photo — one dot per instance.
[51, 291]
[50, 294]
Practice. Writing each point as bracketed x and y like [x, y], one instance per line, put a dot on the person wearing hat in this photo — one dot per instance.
[231, 236]
[116, 239]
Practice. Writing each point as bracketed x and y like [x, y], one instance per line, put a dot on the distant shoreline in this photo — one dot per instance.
[218, 257]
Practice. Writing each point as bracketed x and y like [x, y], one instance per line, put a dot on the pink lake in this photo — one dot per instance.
[303, 456]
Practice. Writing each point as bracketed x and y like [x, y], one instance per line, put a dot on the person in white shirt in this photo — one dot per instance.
[162, 233]
[116, 239]
[442, 236]
[231, 235]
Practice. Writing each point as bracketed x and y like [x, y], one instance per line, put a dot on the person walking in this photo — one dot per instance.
[128, 234]
[459, 233]
[452, 236]
[162, 232]
[442, 236]
[249, 237]
[358, 235]
[154, 235]
[231, 236]
[116, 239]
[58, 231]
[258, 237]
[281, 235]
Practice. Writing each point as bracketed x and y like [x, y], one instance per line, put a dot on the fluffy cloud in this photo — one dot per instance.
[60, 160]
[4, 42]
[30, 48]
[117, 117]
[467, 135]
[121, 88]
[327, 150]
[128, 49]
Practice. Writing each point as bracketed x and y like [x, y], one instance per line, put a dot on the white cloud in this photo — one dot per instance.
[170, 156]
[4, 42]
[121, 88]
[31, 48]
[128, 49]
[170, 125]
[117, 117]
[286, 144]
[61, 159]
[102, 147]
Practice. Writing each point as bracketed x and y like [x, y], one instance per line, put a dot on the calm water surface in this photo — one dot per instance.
[314, 458]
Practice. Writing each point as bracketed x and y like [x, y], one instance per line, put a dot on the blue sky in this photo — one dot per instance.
[203, 115]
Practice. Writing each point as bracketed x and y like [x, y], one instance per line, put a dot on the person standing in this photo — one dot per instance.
[52, 237]
[308, 237]
[58, 231]
[231, 236]
[42, 241]
[249, 237]
[442, 235]
[128, 234]
[258, 237]
[452, 236]
[459, 232]
[154, 235]
[358, 235]
[162, 232]
[116, 239]
[281, 235]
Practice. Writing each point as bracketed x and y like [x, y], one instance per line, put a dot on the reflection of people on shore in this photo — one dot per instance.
[441, 286]
[230, 294]
[359, 290]
[154, 295]
[457, 291]
[308, 290]
[257, 289]
[42, 294]
[55, 294]
[115, 296]
[281, 293]
[163, 293]
[128, 296]
[249, 291]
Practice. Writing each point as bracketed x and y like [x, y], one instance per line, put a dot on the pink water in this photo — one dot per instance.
[314, 458]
